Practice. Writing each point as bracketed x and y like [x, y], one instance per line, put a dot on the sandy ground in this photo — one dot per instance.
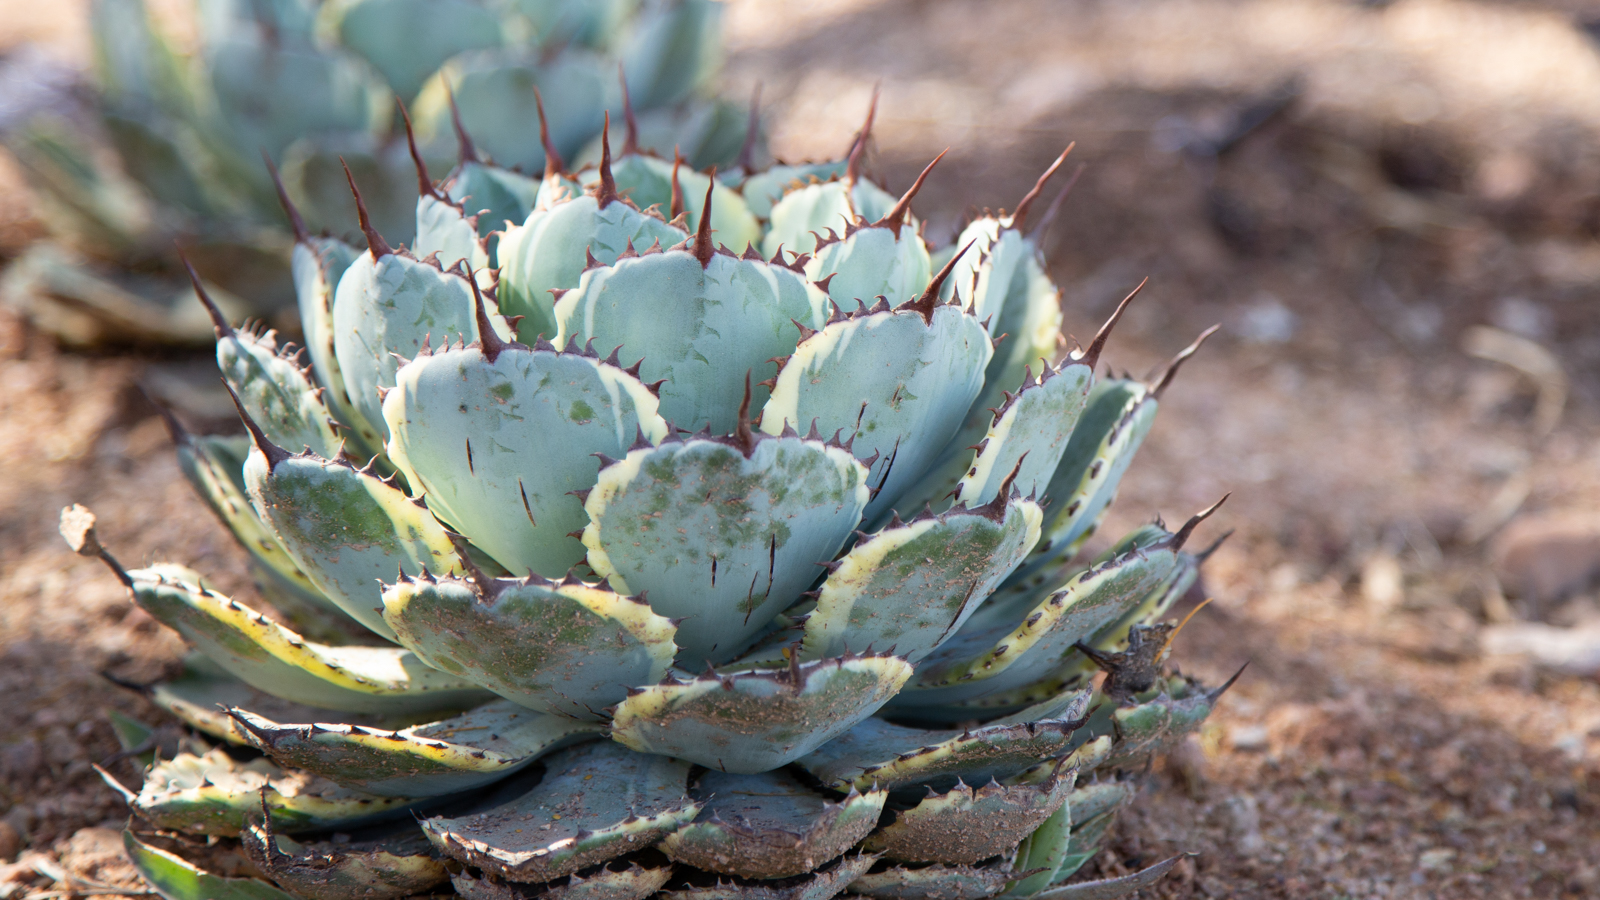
[1423, 167]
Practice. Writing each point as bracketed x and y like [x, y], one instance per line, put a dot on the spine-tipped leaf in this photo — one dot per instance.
[910, 587]
[596, 802]
[899, 381]
[700, 325]
[721, 533]
[346, 528]
[498, 436]
[447, 756]
[757, 720]
[533, 641]
[769, 825]
[274, 659]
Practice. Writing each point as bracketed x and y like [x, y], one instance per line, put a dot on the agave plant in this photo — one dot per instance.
[311, 82]
[779, 597]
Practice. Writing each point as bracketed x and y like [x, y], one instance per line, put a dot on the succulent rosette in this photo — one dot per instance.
[165, 145]
[680, 567]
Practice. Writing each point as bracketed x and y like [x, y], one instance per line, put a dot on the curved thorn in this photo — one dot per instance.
[469, 151]
[897, 216]
[930, 297]
[630, 145]
[675, 209]
[553, 164]
[1091, 356]
[858, 147]
[702, 238]
[271, 451]
[741, 430]
[490, 344]
[297, 224]
[1007, 483]
[424, 183]
[1177, 541]
[1205, 554]
[375, 242]
[487, 587]
[1021, 215]
[1184, 354]
[1212, 697]
[608, 185]
[1039, 230]
[219, 322]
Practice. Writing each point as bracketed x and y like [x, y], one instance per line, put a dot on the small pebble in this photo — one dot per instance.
[1244, 825]
[1248, 738]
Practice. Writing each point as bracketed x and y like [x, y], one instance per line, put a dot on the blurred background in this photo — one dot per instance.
[1393, 209]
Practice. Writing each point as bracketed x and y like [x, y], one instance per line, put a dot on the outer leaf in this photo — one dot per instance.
[1043, 853]
[202, 694]
[346, 529]
[995, 654]
[609, 881]
[596, 802]
[1118, 416]
[825, 882]
[1160, 718]
[899, 381]
[719, 538]
[758, 720]
[1018, 601]
[498, 439]
[968, 826]
[1094, 808]
[935, 882]
[1030, 433]
[911, 587]
[769, 826]
[538, 643]
[214, 465]
[983, 278]
[397, 866]
[214, 795]
[1030, 313]
[1027, 432]
[701, 327]
[1031, 320]
[272, 658]
[891, 756]
[444, 757]
[1112, 888]
[175, 879]
[279, 395]
[318, 264]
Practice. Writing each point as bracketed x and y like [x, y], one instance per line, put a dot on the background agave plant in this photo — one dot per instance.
[311, 82]
[552, 567]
